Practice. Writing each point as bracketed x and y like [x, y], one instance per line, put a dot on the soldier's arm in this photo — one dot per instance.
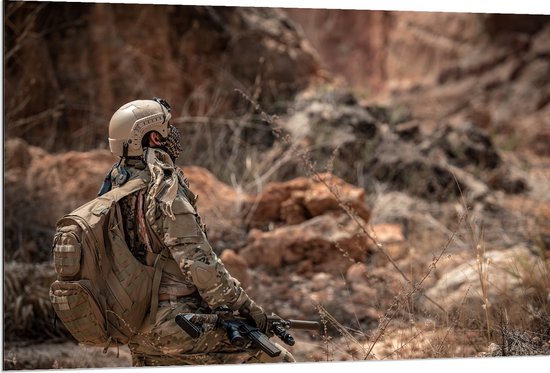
[198, 262]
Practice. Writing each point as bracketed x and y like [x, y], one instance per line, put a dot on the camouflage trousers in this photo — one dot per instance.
[164, 343]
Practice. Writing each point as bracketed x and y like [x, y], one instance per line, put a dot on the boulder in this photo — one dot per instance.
[329, 242]
[408, 169]
[220, 206]
[392, 238]
[466, 145]
[300, 199]
[504, 281]
[237, 266]
[267, 206]
[309, 224]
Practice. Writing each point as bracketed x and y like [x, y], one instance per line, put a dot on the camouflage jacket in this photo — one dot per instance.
[165, 214]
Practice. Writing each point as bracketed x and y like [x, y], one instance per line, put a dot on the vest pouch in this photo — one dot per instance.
[77, 307]
[67, 252]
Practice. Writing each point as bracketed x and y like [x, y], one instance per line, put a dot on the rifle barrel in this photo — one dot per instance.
[305, 324]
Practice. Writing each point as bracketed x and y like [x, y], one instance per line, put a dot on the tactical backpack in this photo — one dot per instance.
[102, 292]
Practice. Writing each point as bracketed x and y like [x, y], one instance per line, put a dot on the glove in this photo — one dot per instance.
[255, 313]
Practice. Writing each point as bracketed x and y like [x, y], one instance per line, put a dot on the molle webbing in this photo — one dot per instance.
[102, 293]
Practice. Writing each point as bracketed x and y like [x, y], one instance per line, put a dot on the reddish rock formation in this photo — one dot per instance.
[236, 265]
[303, 225]
[220, 206]
[300, 199]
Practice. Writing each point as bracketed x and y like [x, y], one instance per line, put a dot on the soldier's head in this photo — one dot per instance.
[143, 123]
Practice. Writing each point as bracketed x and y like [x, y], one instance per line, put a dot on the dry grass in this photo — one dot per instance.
[410, 289]
[456, 339]
[65, 355]
[27, 310]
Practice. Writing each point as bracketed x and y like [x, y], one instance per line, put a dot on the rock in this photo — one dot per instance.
[329, 193]
[337, 131]
[266, 207]
[428, 164]
[320, 281]
[465, 290]
[388, 233]
[364, 294]
[409, 170]
[16, 154]
[220, 206]
[472, 188]
[297, 200]
[400, 47]
[508, 179]
[536, 130]
[40, 188]
[293, 210]
[327, 243]
[409, 131]
[467, 145]
[392, 238]
[237, 266]
[356, 273]
[331, 118]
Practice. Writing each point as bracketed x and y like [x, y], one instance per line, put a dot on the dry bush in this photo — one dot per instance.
[65, 355]
[28, 313]
[238, 152]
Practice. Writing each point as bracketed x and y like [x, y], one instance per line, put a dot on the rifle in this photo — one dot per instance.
[240, 330]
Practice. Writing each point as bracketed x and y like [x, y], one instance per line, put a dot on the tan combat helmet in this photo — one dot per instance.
[132, 121]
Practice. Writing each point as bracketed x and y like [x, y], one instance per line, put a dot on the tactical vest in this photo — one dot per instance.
[102, 292]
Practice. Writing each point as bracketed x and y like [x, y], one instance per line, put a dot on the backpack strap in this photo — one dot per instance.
[116, 195]
[159, 265]
[128, 188]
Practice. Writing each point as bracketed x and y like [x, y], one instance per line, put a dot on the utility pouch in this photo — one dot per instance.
[78, 308]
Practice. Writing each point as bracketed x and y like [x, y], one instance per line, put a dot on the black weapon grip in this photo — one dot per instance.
[261, 340]
[184, 321]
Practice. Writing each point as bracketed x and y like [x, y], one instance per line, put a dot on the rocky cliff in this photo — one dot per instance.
[69, 66]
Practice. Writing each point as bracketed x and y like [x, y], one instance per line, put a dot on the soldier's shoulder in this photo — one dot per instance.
[182, 205]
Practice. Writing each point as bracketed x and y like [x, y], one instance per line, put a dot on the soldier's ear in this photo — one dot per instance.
[155, 139]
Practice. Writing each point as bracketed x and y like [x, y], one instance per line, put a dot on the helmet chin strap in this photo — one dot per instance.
[125, 150]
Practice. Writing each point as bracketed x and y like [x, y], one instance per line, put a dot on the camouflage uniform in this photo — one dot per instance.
[194, 280]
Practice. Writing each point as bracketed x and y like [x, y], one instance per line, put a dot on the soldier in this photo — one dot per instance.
[164, 214]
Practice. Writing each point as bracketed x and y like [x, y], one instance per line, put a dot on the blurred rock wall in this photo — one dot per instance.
[69, 66]
[371, 50]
